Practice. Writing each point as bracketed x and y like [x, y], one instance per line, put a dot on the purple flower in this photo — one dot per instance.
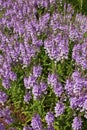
[6, 83]
[43, 21]
[76, 84]
[75, 34]
[2, 127]
[76, 75]
[1, 59]
[26, 83]
[37, 71]
[9, 120]
[77, 91]
[29, 82]
[81, 20]
[77, 123]
[52, 79]
[79, 55]
[85, 105]
[36, 122]
[58, 90]
[13, 76]
[73, 102]
[6, 114]
[43, 87]
[50, 128]
[49, 118]
[36, 91]
[3, 97]
[59, 109]
[56, 85]
[27, 97]
[57, 47]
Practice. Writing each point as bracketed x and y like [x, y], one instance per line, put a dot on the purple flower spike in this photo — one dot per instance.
[49, 118]
[2, 126]
[27, 97]
[37, 71]
[36, 123]
[58, 90]
[59, 109]
[52, 79]
[77, 123]
[29, 82]
[3, 97]
[36, 91]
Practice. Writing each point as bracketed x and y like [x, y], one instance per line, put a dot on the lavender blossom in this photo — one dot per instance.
[36, 122]
[27, 97]
[37, 70]
[36, 91]
[49, 118]
[9, 120]
[1, 59]
[59, 109]
[73, 102]
[13, 76]
[6, 113]
[75, 85]
[6, 83]
[81, 20]
[43, 87]
[52, 79]
[75, 34]
[56, 85]
[85, 105]
[79, 55]
[3, 97]
[29, 82]
[50, 128]
[76, 89]
[58, 89]
[2, 127]
[57, 47]
[77, 123]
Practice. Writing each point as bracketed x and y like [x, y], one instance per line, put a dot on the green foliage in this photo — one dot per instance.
[79, 5]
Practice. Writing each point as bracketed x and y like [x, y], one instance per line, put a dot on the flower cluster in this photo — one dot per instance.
[56, 85]
[32, 34]
[5, 114]
[57, 47]
[76, 88]
[38, 88]
[2, 126]
[80, 54]
[49, 118]
[59, 109]
[36, 123]
[3, 97]
[77, 123]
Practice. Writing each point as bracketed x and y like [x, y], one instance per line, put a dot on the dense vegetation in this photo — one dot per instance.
[43, 65]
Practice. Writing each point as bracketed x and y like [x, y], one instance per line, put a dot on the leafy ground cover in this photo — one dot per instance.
[43, 65]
